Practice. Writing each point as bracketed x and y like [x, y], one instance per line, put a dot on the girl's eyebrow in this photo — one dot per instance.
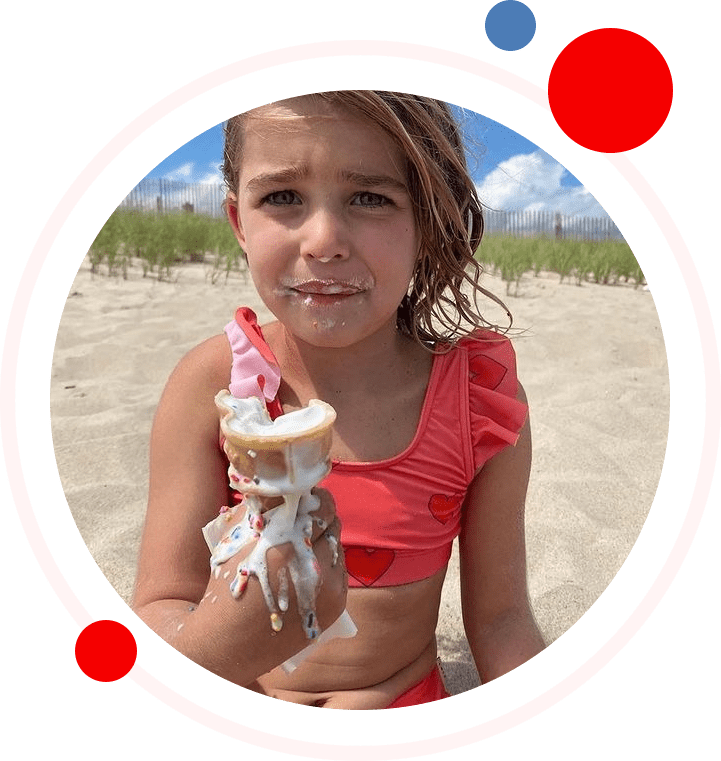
[291, 174]
[295, 173]
[372, 180]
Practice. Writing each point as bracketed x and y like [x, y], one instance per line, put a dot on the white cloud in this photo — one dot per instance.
[196, 175]
[532, 182]
[213, 177]
[183, 173]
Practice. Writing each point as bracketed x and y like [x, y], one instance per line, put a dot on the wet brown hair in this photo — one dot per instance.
[448, 213]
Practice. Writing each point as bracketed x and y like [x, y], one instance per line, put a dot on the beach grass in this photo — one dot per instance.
[607, 262]
[160, 242]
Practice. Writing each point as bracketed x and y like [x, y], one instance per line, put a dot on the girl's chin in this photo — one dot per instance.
[338, 325]
[326, 332]
[329, 322]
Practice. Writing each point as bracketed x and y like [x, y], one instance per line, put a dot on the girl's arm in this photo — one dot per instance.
[500, 627]
[175, 593]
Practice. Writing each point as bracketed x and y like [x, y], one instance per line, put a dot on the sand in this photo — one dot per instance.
[591, 359]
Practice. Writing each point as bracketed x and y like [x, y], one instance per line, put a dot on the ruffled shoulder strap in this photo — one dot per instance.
[255, 370]
[496, 416]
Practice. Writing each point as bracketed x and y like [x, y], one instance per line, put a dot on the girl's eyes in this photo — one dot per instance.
[282, 198]
[371, 199]
[290, 197]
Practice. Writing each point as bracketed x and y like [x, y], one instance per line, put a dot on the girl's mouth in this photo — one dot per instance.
[324, 291]
[327, 287]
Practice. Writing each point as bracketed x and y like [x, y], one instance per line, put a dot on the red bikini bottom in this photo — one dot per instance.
[427, 690]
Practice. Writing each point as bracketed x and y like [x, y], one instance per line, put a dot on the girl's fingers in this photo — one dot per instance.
[324, 515]
[331, 601]
[331, 593]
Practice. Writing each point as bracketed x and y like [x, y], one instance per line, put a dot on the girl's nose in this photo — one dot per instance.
[325, 237]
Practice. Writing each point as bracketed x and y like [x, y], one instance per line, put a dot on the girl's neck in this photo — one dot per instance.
[385, 355]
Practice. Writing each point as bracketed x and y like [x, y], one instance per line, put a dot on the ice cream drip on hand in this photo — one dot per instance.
[289, 523]
[282, 458]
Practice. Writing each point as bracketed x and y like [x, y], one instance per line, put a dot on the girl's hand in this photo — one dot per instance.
[328, 550]
[278, 559]
[233, 637]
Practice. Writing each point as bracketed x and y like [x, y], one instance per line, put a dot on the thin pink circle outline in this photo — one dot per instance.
[294, 54]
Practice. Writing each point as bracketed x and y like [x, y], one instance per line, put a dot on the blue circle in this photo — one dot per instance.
[510, 25]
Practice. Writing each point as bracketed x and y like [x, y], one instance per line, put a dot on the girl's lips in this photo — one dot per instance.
[315, 299]
[325, 287]
[320, 295]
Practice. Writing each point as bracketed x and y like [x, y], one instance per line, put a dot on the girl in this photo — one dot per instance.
[359, 222]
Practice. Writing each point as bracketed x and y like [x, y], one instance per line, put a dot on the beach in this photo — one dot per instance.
[590, 357]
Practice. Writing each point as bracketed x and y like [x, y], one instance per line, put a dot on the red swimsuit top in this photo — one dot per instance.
[400, 516]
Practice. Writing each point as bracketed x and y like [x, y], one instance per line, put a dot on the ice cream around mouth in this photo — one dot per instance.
[326, 296]
[327, 289]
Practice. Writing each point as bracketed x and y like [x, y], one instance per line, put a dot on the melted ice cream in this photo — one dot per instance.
[291, 456]
[289, 523]
[251, 419]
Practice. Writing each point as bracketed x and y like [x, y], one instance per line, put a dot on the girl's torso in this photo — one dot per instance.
[365, 672]
[394, 649]
[398, 432]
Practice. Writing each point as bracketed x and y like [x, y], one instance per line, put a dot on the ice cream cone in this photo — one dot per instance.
[272, 457]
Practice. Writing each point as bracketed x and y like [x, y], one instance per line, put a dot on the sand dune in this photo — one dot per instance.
[591, 359]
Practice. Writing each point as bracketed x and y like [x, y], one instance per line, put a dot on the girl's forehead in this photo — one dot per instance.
[305, 123]
[300, 113]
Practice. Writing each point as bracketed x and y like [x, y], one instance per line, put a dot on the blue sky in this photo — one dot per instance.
[510, 171]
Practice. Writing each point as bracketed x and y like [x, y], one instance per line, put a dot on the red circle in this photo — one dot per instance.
[105, 651]
[610, 90]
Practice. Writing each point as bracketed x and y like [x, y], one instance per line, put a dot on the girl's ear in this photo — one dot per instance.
[231, 211]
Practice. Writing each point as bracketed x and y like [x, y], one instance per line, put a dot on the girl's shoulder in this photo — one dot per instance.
[206, 365]
[209, 356]
[487, 338]
[497, 407]
[491, 361]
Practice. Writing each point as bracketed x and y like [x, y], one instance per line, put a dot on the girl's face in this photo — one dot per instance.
[324, 216]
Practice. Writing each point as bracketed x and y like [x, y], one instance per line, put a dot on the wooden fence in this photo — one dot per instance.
[550, 224]
[159, 195]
